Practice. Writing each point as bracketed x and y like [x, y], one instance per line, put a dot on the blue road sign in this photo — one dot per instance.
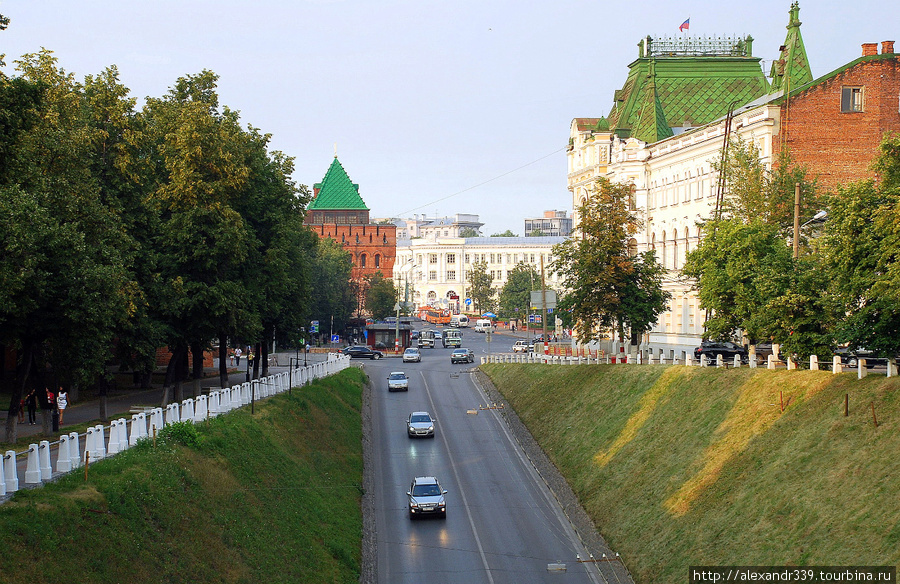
[335, 338]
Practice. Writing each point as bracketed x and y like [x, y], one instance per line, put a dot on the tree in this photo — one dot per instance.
[609, 287]
[506, 233]
[468, 232]
[381, 296]
[861, 252]
[332, 293]
[536, 233]
[481, 290]
[515, 297]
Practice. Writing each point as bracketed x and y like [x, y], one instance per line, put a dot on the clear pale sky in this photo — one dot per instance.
[436, 107]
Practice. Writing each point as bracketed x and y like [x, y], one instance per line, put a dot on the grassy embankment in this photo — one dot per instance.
[686, 466]
[273, 497]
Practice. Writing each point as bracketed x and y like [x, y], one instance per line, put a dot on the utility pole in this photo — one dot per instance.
[543, 304]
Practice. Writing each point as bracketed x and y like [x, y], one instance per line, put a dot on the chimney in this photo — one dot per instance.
[869, 49]
[887, 47]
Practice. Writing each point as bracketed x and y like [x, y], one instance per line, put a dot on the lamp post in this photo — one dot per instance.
[819, 216]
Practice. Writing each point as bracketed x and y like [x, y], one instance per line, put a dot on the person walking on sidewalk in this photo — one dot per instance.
[237, 357]
[62, 400]
[31, 404]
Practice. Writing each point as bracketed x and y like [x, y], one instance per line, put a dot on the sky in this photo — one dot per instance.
[433, 107]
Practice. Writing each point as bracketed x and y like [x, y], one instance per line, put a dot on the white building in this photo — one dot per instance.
[421, 226]
[436, 271]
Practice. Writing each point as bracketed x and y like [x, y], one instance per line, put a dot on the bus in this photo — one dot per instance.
[434, 315]
[426, 339]
[451, 338]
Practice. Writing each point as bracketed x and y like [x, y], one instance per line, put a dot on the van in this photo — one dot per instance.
[459, 321]
[482, 325]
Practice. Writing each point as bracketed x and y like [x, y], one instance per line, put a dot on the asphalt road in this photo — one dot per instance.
[503, 524]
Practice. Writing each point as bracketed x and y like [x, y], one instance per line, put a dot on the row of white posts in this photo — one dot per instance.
[771, 363]
[98, 444]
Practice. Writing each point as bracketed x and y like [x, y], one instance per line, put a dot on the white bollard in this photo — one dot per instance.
[704, 360]
[771, 362]
[63, 458]
[135, 429]
[89, 438]
[836, 366]
[2, 477]
[123, 435]
[74, 450]
[10, 471]
[200, 413]
[791, 364]
[675, 361]
[688, 359]
[44, 457]
[187, 409]
[33, 468]
[813, 362]
[720, 362]
[112, 447]
[892, 367]
[861, 370]
[99, 451]
[753, 362]
[173, 414]
[736, 362]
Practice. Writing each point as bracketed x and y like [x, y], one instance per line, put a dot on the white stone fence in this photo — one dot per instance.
[101, 442]
[689, 361]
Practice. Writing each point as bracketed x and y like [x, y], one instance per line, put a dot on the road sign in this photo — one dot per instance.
[549, 311]
[468, 302]
[314, 326]
[335, 338]
[538, 298]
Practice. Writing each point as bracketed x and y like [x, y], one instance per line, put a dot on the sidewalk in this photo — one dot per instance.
[121, 400]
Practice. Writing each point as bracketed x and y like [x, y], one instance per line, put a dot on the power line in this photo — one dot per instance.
[499, 176]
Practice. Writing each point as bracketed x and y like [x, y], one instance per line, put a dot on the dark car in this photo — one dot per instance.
[362, 352]
[850, 357]
[727, 349]
[462, 356]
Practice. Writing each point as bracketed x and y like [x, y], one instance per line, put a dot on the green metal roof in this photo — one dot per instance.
[692, 83]
[337, 191]
[652, 125]
[792, 67]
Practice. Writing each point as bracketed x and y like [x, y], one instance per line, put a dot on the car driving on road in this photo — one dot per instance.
[462, 356]
[522, 346]
[412, 355]
[426, 497]
[712, 349]
[362, 352]
[420, 424]
[398, 381]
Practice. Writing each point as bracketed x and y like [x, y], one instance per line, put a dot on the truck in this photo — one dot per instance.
[426, 339]
[451, 338]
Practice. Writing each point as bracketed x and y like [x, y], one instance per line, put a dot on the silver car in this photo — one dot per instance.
[426, 497]
[420, 424]
[412, 355]
[398, 381]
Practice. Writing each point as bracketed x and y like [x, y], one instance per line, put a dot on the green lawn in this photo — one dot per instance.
[273, 497]
[686, 466]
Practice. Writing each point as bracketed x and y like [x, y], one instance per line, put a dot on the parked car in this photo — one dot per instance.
[398, 381]
[412, 355]
[462, 356]
[727, 349]
[522, 346]
[362, 352]
[381, 345]
[850, 357]
[420, 424]
[426, 497]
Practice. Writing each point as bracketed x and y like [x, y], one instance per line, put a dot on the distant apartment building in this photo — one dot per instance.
[553, 223]
[420, 226]
[435, 272]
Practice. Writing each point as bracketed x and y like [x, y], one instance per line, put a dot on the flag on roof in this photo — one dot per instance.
[685, 25]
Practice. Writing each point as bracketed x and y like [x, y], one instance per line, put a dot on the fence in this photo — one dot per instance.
[101, 442]
[770, 363]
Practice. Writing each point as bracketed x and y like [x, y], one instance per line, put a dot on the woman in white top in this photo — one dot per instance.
[62, 400]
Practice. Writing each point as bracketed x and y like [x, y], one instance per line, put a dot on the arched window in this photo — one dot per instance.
[662, 251]
[357, 239]
[362, 261]
[632, 247]
[432, 296]
[377, 261]
[675, 249]
[370, 238]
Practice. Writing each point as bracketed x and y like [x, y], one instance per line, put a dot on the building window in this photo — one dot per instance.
[432, 275]
[377, 261]
[467, 258]
[492, 258]
[532, 258]
[362, 261]
[432, 258]
[451, 276]
[451, 258]
[851, 99]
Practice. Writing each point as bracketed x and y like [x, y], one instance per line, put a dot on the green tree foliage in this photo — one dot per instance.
[331, 292]
[481, 290]
[468, 232]
[536, 233]
[381, 296]
[609, 288]
[861, 250]
[506, 233]
[515, 297]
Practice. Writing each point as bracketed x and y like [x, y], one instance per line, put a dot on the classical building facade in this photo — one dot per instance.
[436, 272]
[338, 212]
[831, 125]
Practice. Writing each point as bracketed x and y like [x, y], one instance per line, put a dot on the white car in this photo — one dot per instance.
[420, 424]
[398, 381]
[412, 355]
[522, 347]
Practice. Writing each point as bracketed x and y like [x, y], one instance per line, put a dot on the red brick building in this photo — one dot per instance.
[833, 125]
[338, 212]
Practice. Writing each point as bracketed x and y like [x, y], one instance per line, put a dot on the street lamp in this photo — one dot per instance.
[819, 216]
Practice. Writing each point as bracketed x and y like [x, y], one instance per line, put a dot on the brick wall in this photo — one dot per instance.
[838, 147]
[365, 242]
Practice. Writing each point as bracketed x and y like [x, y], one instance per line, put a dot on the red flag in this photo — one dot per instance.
[685, 25]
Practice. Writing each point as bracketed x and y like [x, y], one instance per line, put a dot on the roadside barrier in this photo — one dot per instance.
[144, 425]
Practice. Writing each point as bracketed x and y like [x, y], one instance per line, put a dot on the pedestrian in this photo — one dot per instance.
[237, 357]
[62, 401]
[231, 357]
[31, 403]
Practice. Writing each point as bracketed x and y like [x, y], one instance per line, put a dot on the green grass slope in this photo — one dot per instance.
[686, 466]
[272, 497]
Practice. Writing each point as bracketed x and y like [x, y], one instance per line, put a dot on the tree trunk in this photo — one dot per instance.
[258, 352]
[171, 374]
[223, 361]
[197, 368]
